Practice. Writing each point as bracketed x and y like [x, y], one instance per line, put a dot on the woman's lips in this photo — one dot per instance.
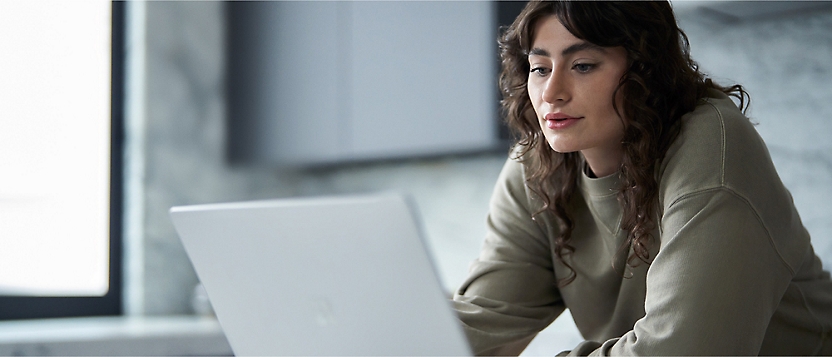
[560, 120]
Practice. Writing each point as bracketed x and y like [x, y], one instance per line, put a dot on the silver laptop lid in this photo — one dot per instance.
[320, 276]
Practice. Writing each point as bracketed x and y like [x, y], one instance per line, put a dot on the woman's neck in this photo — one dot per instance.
[603, 162]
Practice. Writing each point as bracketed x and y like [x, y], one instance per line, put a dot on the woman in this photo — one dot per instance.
[639, 197]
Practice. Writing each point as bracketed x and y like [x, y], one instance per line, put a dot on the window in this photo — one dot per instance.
[61, 123]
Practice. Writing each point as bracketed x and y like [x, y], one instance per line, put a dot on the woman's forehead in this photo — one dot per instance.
[550, 37]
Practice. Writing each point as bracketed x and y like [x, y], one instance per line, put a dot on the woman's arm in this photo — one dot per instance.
[511, 293]
[713, 286]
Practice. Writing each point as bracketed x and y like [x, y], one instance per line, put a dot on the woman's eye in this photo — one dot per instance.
[541, 71]
[583, 67]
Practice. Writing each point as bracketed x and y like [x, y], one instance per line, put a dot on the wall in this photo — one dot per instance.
[176, 152]
[182, 158]
[783, 62]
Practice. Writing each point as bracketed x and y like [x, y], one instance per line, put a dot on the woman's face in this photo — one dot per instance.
[571, 85]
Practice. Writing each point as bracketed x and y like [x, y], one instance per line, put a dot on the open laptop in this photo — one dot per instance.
[320, 276]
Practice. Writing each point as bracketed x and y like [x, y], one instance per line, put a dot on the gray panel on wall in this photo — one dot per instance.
[421, 78]
[314, 83]
[301, 89]
[283, 88]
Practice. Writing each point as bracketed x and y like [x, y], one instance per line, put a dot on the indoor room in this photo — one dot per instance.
[112, 113]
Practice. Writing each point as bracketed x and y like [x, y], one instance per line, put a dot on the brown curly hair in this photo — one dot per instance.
[661, 84]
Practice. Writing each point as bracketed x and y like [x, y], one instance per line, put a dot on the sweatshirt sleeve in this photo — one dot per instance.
[712, 288]
[511, 293]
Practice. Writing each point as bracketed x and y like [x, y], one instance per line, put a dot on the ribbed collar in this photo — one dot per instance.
[603, 186]
[600, 194]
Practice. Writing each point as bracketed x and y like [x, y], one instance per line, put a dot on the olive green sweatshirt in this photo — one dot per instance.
[733, 270]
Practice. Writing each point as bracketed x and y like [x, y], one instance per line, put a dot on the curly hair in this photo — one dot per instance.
[661, 84]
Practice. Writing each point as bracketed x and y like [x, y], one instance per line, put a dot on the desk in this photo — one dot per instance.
[114, 336]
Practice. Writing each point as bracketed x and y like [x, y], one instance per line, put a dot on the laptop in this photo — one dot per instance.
[346, 275]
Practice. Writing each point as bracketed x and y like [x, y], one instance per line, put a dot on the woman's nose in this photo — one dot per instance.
[556, 88]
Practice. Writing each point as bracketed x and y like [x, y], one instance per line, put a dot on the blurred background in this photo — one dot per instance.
[213, 101]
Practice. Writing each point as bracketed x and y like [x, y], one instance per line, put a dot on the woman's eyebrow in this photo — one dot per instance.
[580, 46]
[539, 52]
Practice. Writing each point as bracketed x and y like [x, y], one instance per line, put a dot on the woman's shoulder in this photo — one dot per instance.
[512, 178]
[512, 183]
[717, 147]
[720, 160]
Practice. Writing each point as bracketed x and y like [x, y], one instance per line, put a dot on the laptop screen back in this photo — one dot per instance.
[320, 276]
